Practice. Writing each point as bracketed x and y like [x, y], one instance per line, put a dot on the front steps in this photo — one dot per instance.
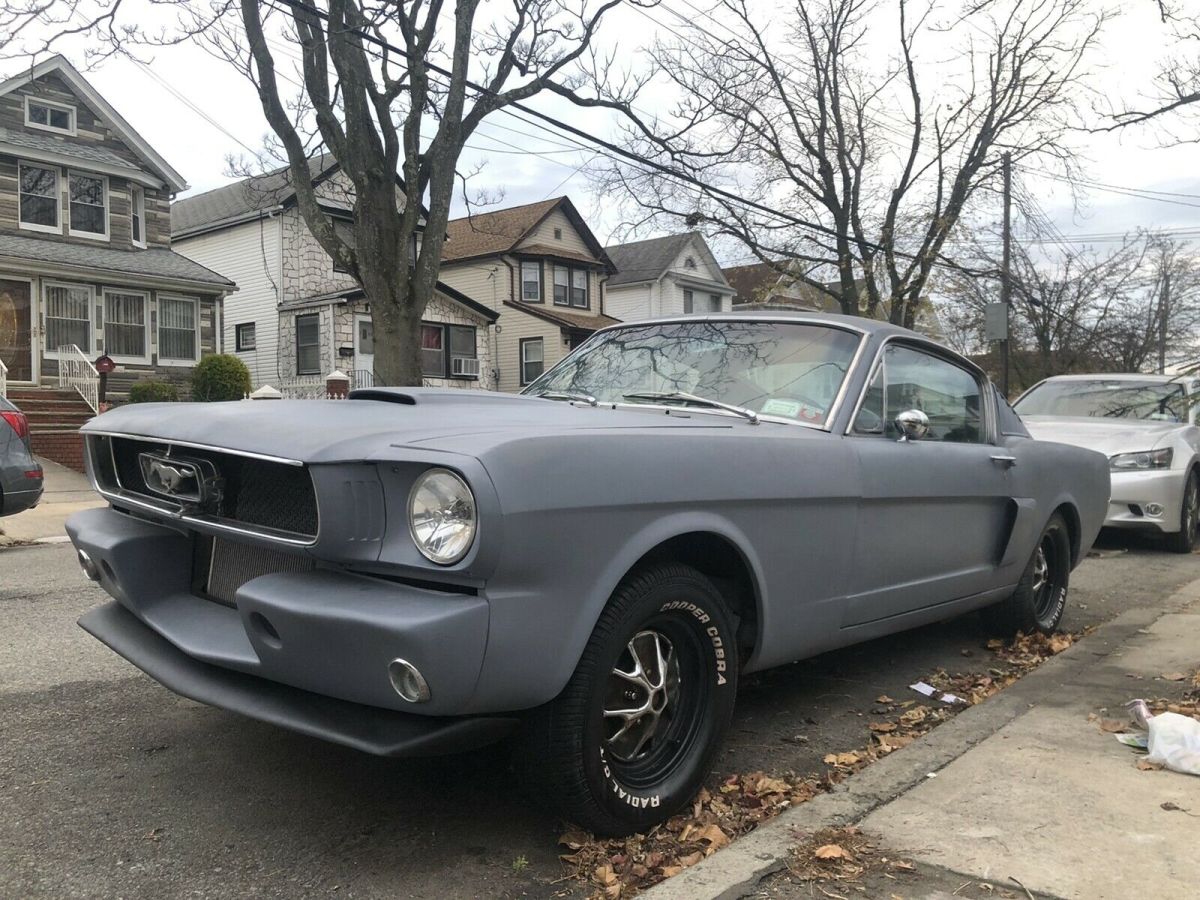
[54, 420]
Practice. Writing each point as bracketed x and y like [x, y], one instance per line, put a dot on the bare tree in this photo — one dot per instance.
[792, 115]
[1176, 90]
[389, 89]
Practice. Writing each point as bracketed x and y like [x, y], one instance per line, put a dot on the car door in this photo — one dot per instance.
[934, 511]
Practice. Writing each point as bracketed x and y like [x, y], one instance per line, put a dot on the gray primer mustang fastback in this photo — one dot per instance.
[416, 570]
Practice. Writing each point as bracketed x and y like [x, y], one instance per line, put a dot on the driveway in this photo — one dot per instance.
[111, 785]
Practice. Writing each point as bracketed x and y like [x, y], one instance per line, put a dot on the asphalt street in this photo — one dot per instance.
[112, 786]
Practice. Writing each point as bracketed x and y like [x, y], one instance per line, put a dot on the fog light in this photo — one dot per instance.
[1153, 509]
[407, 681]
[90, 569]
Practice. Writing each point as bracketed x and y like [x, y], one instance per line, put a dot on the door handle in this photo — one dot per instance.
[1007, 461]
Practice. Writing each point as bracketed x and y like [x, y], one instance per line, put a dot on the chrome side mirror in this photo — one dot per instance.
[912, 425]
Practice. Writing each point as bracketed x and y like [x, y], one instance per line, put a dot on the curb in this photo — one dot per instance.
[735, 871]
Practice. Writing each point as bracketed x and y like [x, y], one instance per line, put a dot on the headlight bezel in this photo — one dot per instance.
[463, 489]
[1141, 460]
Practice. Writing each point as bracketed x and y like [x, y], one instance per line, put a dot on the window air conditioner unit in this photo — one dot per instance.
[464, 365]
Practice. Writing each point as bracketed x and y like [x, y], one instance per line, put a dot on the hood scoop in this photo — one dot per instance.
[440, 396]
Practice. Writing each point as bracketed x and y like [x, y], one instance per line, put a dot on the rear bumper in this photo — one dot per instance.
[367, 728]
[15, 501]
[1133, 492]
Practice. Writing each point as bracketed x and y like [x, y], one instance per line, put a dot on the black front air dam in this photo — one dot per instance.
[382, 732]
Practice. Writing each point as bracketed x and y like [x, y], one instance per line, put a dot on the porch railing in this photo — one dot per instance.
[312, 387]
[3, 379]
[76, 371]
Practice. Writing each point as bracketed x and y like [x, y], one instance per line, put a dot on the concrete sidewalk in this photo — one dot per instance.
[66, 491]
[1022, 787]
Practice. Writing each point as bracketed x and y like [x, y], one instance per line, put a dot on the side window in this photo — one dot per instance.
[947, 394]
[870, 415]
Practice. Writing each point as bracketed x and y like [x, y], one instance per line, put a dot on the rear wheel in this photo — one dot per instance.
[633, 735]
[1040, 599]
[1184, 540]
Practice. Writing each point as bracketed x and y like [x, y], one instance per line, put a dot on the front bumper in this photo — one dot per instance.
[324, 632]
[370, 729]
[1133, 492]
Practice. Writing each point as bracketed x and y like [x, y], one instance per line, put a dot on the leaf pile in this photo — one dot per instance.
[841, 855]
[621, 866]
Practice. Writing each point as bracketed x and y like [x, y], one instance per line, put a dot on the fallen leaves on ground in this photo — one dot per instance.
[620, 868]
[841, 855]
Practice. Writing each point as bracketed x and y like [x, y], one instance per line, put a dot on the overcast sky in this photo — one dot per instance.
[199, 148]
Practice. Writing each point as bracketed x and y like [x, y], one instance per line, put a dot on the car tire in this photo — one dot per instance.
[616, 773]
[1184, 540]
[1040, 599]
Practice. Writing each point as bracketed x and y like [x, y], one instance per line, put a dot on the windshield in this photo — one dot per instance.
[1164, 401]
[791, 371]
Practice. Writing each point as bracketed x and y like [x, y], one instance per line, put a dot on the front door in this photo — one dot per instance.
[364, 351]
[16, 339]
[934, 512]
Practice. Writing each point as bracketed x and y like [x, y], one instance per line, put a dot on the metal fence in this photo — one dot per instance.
[313, 387]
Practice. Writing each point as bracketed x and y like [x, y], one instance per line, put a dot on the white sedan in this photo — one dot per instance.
[1146, 426]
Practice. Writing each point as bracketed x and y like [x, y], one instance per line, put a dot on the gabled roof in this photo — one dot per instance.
[571, 321]
[243, 199]
[101, 107]
[751, 283]
[648, 260]
[502, 230]
[356, 293]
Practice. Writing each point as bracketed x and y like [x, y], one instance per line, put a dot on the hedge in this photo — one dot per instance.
[220, 377]
[149, 391]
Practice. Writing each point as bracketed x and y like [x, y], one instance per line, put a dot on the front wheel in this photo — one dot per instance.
[1184, 540]
[631, 738]
[1040, 599]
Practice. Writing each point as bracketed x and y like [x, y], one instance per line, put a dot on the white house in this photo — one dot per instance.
[666, 276]
[296, 317]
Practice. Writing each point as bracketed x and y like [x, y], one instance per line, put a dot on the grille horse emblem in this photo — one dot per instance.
[180, 479]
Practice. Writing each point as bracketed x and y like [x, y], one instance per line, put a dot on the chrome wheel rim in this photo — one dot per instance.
[1041, 570]
[1191, 508]
[642, 696]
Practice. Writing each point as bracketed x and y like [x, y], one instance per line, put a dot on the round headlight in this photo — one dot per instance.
[441, 516]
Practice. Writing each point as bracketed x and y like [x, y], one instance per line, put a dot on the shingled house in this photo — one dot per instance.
[86, 264]
[666, 276]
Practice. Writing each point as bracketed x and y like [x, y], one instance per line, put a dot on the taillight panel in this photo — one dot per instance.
[17, 420]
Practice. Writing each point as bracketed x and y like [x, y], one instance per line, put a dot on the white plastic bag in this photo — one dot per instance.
[1175, 742]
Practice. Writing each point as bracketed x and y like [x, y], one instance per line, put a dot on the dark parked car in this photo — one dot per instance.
[20, 473]
[592, 565]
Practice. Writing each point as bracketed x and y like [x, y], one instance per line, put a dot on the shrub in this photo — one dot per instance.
[150, 391]
[220, 377]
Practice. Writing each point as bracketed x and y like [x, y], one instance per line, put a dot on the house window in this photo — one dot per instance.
[308, 344]
[244, 337]
[137, 215]
[579, 288]
[714, 302]
[463, 357]
[178, 329]
[562, 285]
[68, 316]
[688, 302]
[125, 323]
[689, 263]
[344, 230]
[39, 197]
[558, 234]
[49, 116]
[89, 205]
[532, 360]
[433, 351]
[531, 282]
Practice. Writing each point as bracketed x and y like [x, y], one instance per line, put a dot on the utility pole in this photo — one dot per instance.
[1006, 273]
[1164, 314]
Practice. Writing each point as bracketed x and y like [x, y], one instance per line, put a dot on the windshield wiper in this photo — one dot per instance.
[685, 397]
[568, 395]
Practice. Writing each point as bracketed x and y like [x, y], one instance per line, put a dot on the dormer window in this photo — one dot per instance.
[49, 116]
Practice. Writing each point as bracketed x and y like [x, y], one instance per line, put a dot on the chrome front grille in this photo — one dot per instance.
[264, 496]
[223, 566]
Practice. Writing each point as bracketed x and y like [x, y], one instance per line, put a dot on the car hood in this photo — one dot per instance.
[339, 430]
[1107, 436]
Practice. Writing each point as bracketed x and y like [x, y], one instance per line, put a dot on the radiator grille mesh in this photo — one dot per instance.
[232, 564]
